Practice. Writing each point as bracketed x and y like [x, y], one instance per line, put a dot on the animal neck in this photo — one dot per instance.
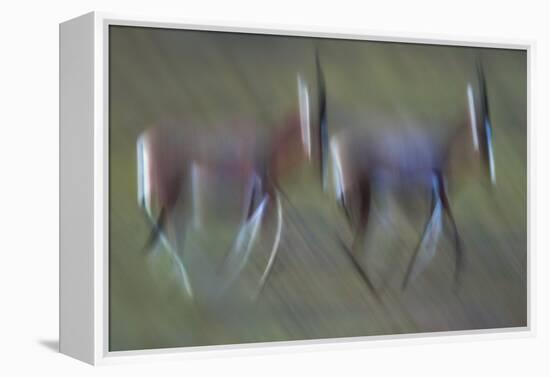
[460, 154]
[285, 149]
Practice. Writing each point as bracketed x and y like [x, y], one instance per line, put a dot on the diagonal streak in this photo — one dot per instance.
[242, 247]
[428, 244]
[275, 247]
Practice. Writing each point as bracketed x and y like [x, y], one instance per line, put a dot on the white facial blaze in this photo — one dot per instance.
[144, 184]
[491, 156]
[473, 117]
[337, 172]
[303, 99]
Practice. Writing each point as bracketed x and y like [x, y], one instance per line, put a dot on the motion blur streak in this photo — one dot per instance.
[223, 139]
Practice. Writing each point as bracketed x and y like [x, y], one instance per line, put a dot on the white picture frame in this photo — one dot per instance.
[84, 192]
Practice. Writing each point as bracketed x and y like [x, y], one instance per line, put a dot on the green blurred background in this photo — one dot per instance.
[206, 78]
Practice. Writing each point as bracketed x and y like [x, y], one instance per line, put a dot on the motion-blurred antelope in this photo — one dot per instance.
[171, 161]
[413, 159]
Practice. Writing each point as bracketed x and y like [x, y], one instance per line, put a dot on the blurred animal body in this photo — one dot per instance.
[364, 162]
[173, 159]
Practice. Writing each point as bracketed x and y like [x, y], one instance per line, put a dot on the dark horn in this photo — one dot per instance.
[482, 90]
[323, 129]
[485, 126]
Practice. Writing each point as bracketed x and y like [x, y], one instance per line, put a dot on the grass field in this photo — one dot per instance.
[205, 78]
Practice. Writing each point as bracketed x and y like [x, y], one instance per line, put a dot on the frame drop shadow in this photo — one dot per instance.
[52, 345]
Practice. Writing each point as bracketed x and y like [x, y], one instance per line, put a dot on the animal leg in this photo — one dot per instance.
[158, 236]
[275, 246]
[364, 196]
[178, 262]
[252, 193]
[176, 230]
[157, 230]
[426, 248]
[238, 255]
[457, 239]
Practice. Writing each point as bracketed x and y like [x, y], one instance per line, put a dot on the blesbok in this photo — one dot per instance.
[172, 159]
[411, 159]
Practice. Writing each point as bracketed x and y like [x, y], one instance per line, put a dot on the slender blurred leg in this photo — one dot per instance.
[275, 246]
[364, 199]
[175, 235]
[363, 195]
[426, 248]
[449, 213]
[180, 267]
[155, 236]
[237, 257]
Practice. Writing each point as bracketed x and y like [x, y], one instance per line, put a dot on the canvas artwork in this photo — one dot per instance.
[274, 188]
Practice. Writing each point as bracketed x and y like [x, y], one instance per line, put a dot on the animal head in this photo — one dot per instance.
[480, 122]
[304, 136]
[314, 131]
[160, 167]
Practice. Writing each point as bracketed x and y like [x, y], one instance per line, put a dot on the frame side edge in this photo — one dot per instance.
[76, 119]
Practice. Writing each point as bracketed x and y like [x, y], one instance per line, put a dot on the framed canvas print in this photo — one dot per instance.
[226, 188]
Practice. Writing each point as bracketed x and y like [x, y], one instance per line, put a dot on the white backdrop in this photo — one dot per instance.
[29, 183]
